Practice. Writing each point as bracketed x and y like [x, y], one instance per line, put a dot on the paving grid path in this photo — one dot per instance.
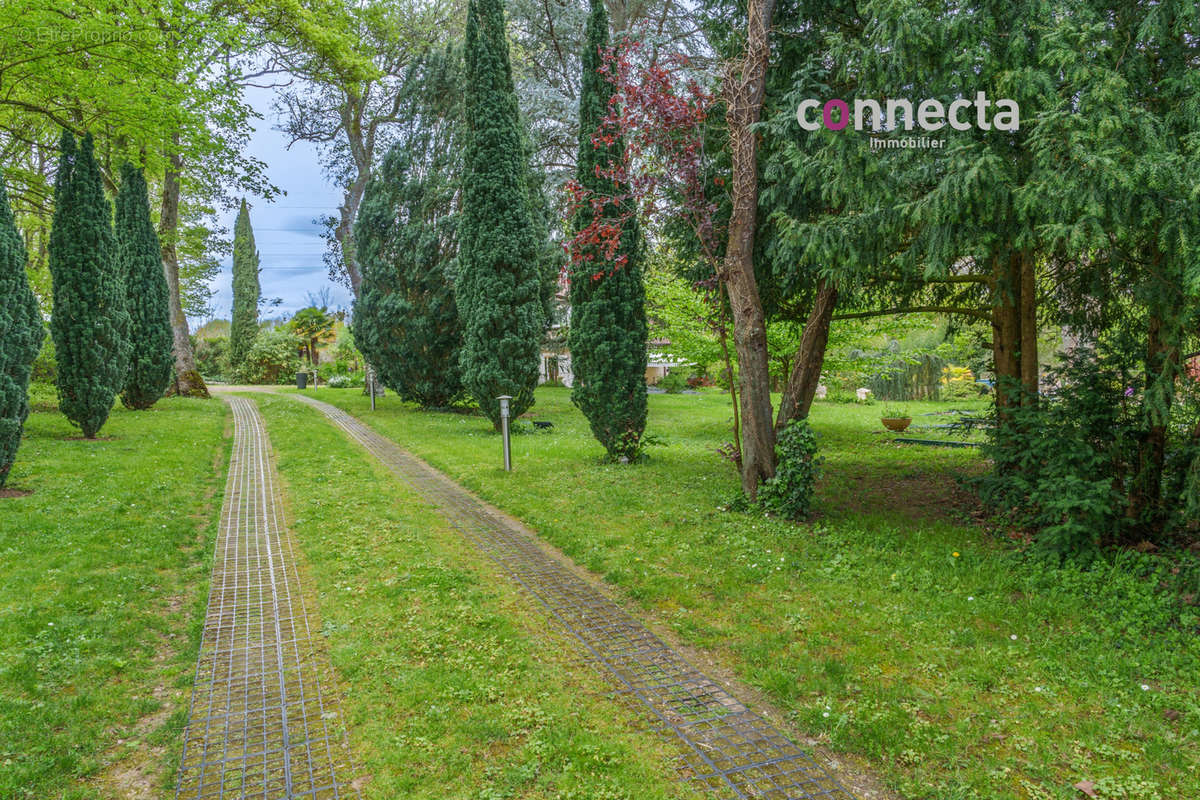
[259, 725]
[728, 749]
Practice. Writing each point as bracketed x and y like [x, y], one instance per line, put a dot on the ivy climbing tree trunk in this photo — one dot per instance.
[745, 87]
[188, 382]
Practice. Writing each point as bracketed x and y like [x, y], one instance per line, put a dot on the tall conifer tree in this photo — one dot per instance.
[152, 362]
[243, 328]
[21, 336]
[608, 314]
[405, 320]
[90, 324]
[498, 282]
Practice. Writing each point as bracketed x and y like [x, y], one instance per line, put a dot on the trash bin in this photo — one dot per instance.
[301, 380]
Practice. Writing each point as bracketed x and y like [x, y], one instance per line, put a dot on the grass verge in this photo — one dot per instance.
[453, 687]
[103, 577]
[890, 627]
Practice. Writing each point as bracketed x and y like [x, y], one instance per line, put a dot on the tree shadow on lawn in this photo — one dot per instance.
[910, 484]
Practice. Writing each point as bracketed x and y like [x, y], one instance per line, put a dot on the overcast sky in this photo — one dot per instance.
[289, 242]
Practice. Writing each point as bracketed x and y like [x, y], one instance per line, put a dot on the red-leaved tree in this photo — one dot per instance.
[661, 110]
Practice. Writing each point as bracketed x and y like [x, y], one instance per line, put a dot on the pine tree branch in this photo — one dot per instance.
[974, 313]
[946, 279]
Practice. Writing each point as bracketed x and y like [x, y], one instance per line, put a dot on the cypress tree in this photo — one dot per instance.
[405, 320]
[243, 328]
[90, 325]
[498, 282]
[152, 362]
[608, 315]
[20, 336]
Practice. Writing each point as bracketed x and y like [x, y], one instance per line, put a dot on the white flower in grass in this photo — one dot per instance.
[1013, 637]
[1145, 687]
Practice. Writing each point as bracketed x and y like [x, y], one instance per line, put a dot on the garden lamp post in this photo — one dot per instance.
[504, 398]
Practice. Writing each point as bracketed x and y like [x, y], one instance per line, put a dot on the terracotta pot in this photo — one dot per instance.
[896, 423]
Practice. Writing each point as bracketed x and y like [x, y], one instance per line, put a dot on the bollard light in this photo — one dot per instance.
[504, 398]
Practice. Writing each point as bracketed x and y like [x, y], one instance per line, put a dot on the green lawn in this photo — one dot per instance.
[103, 578]
[891, 627]
[453, 689]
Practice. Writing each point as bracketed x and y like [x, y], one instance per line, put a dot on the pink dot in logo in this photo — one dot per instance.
[827, 115]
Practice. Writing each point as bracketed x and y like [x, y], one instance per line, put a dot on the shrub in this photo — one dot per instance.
[907, 376]
[345, 351]
[958, 383]
[1061, 463]
[212, 357]
[43, 397]
[339, 382]
[45, 367]
[673, 383]
[790, 492]
[274, 358]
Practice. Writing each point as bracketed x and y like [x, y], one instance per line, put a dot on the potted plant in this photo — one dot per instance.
[895, 419]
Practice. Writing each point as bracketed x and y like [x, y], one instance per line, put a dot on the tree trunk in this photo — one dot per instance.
[344, 232]
[188, 382]
[1006, 334]
[1030, 371]
[1147, 483]
[1162, 366]
[723, 329]
[745, 86]
[810, 358]
[362, 148]
[361, 142]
